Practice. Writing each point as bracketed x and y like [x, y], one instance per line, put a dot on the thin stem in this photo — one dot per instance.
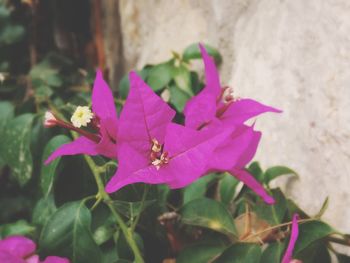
[144, 195]
[277, 226]
[106, 198]
[345, 242]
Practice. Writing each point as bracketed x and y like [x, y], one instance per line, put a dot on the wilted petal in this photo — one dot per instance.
[287, 258]
[17, 245]
[53, 259]
[240, 111]
[81, 145]
[253, 184]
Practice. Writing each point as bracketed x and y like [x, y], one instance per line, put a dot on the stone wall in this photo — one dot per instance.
[292, 54]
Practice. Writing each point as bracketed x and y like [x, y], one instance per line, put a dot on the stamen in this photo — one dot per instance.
[156, 147]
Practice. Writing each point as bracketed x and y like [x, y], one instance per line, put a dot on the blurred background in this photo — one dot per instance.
[292, 54]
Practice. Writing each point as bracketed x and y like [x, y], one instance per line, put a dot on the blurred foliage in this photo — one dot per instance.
[215, 219]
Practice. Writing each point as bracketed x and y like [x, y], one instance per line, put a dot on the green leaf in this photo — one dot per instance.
[208, 213]
[7, 112]
[193, 52]
[273, 253]
[160, 75]
[198, 188]
[15, 147]
[178, 97]
[343, 258]
[317, 252]
[277, 171]
[310, 232]
[183, 79]
[43, 209]
[48, 172]
[227, 188]
[21, 227]
[255, 170]
[273, 214]
[241, 253]
[11, 34]
[200, 253]
[67, 232]
[323, 208]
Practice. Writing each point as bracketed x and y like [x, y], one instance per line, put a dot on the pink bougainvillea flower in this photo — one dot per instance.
[235, 153]
[153, 150]
[211, 108]
[19, 249]
[103, 119]
[287, 258]
[211, 104]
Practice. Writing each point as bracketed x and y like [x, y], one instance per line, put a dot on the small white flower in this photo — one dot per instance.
[82, 116]
[2, 77]
[49, 120]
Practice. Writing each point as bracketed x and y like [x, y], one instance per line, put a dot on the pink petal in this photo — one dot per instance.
[103, 102]
[236, 151]
[190, 151]
[201, 109]
[287, 258]
[53, 259]
[240, 111]
[145, 115]
[130, 160]
[211, 74]
[81, 145]
[253, 184]
[250, 150]
[17, 245]
[6, 257]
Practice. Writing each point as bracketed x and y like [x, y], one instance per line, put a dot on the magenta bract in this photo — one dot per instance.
[19, 249]
[104, 110]
[287, 258]
[153, 150]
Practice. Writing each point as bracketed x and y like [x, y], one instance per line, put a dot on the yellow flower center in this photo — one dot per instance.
[82, 116]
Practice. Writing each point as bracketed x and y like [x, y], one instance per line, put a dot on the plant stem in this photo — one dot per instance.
[144, 195]
[106, 198]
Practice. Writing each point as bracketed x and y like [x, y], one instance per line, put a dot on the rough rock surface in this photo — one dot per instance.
[292, 54]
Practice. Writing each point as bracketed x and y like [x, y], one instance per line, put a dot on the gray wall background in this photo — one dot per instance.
[292, 54]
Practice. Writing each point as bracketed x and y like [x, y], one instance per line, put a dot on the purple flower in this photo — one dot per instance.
[209, 109]
[287, 258]
[153, 150]
[19, 249]
[103, 119]
[211, 105]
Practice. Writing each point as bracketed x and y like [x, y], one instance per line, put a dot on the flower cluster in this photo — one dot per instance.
[19, 249]
[150, 148]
